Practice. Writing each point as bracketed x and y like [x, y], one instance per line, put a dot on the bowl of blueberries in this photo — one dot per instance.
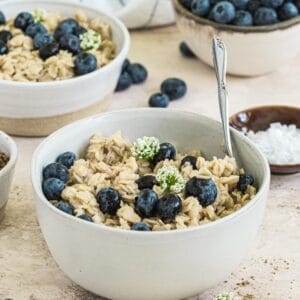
[259, 34]
[59, 61]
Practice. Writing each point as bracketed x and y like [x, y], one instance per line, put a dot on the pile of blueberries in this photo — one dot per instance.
[65, 37]
[244, 12]
[147, 203]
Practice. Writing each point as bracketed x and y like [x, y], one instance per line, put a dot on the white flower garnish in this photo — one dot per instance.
[225, 296]
[40, 15]
[90, 40]
[170, 179]
[145, 148]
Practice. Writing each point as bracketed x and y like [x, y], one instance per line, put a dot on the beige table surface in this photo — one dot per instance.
[272, 268]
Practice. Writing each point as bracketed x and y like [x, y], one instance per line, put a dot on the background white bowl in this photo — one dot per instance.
[251, 50]
[46, 106]
[120, 264]
[8, 146]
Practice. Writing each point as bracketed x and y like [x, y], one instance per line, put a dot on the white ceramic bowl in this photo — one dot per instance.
[251, 50]
[32, 108]
[8, 146]
[120, 264]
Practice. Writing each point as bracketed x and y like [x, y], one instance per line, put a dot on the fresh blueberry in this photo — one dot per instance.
[145, 203]
[141, 226]
[48, 50]
[166, 151]
[265, 16]
[244, 181]
[5, 36]
[85, 63]
[159, 100]
[78, 31]
[124, 82]
[67, 159]
[287, 11]
[56, 170]
[34, 29]
[185, 50]
[68, 26]
[187, 4]
[70, 42]
[191, 160]
[204, 190]
[41, 39]
[86, 218]
[23, 20]
[2, 18]
[137, 72]
[125, 65]
[109, 200]
[243, 18]
[168, 206]
[52, 188]
[239, 4]
[223, 12]
[146, 182]
[272, 3]
[65, 207]
[175, 88]
[253, 5]
[200, 7]
[3, 48]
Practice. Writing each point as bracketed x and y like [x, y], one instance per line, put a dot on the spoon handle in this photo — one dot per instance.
[220, 63]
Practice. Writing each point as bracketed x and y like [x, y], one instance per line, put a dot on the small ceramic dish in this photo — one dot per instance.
[260, 118]
[252, 51]
[7, 146]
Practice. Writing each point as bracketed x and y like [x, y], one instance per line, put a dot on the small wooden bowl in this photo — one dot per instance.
[260, 118]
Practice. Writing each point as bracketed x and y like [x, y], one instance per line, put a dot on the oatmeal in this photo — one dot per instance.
[3, 160]
[146, 185]
[44, 46]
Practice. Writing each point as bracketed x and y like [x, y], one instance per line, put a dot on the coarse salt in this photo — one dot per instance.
[280, 143]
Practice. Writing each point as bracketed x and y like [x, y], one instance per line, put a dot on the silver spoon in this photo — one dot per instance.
[220, 63]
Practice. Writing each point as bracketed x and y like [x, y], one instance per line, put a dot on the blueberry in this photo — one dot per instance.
[272, 3]
[166, 151]
[124, 82]
[85, 63]
[243, 18]
[23, 20]
[56, 170]
[52, 188]
[168, 206]
[78, 31]
[145, 203]
[2, 18]
[287, 11]
[3, 48]
[253, 5]
[159, 100]
[67, 159]
[125, 65]
[65, 207]
[5, 36]
[239, 4]
[68, 26]
[70, 42]
[48, 50]
[146, 182]
[189, 159]
[265, 16]
[137, 72]
[187, 4]
[86, 218]
[141, 226]
[41, 39]
[185, 50]
[175, 88]
[34, 29]
[204, 190]
[200, 7]
[109, 200]
[223, 12]
[244, 181]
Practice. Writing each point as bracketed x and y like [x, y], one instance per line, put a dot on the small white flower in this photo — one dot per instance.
[145, 148]
[224, 296]
[40, 15]
[170, 179]
[90, 40]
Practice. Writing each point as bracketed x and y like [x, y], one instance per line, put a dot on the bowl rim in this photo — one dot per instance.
[118, 231]
[180, 9]
[79, 6]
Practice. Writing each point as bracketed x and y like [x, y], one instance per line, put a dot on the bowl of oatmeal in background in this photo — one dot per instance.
[125, 264]
[8, 158]
[32, 108]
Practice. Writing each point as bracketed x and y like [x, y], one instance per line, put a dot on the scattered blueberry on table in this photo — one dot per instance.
[159, 100]
[175, 88]
[185, 50]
